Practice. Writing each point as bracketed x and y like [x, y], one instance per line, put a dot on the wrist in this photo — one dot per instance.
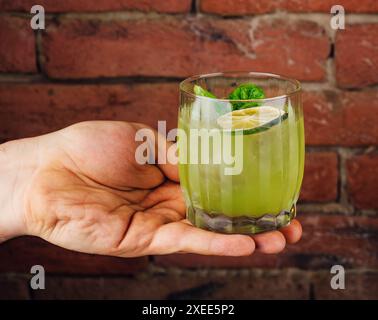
[16, 169]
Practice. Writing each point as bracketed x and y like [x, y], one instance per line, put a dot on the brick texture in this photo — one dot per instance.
[168, 6]
[19, 255]
[331, 239]
[357, 286]
[320, 177]
[123, 60]
[363, 181]
[13, 287]
[291, 285]
[96, 48]
[48, 107]
[232, 7]
[211, 284]
[356, 51]
[327, 240]
[17, 49]
[346, 118]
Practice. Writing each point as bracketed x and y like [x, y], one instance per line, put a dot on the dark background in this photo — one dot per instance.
[123, 60]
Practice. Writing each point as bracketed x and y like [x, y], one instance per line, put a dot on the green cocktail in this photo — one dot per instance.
[265, 140]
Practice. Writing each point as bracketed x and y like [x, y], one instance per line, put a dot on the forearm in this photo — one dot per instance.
[17, 164]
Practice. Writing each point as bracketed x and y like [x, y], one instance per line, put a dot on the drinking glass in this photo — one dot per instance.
[241, 172]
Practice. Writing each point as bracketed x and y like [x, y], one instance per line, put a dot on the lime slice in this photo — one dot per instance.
[251, 120]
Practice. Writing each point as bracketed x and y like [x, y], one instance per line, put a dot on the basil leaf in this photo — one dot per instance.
[246, 91]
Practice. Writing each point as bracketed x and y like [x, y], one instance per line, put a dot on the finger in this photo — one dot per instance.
[181, 237]
[270, 242]
[292, 232]
[170, 169]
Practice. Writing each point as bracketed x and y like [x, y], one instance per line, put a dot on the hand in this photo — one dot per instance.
[81, 188]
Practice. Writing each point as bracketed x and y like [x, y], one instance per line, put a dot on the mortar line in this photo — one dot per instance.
[350, 18]
[38, 51]
[43, 78]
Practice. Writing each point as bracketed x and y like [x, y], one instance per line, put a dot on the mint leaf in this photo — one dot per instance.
[199, 91]
[246, 91]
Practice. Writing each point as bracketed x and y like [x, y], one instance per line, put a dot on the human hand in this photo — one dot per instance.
[82, 189]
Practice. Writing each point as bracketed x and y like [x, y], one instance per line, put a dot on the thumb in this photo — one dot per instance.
[170, 167]
[164, 153]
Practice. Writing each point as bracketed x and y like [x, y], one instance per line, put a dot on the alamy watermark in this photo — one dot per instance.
[338, 17]
[37, 22]
[337, 21]
[196, 146]
[338, 280]
[37, 282]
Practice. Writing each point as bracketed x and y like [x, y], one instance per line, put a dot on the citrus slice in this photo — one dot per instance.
[251, 120]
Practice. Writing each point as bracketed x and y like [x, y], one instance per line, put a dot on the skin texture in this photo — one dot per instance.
[82, 189]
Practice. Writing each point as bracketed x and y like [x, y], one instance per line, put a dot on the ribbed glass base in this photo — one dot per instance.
[242, 225]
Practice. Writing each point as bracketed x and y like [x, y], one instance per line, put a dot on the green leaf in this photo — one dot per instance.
[246, 91]
[199, 91]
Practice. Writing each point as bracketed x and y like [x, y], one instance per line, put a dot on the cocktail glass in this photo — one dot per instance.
[240, 161]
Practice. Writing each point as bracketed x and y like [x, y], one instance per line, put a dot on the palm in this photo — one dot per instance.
[89, 194]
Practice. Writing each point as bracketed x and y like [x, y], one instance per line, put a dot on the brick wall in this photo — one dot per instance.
[123, 60]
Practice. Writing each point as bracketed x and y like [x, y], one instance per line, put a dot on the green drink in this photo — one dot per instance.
[265, 136]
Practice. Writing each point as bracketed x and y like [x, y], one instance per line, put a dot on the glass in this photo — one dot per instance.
[260, 196]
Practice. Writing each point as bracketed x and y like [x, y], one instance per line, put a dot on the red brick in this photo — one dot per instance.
[194, 261]
[327, 240]
[150, 287]
[331, 239]
[232, 7]
[146, 287]
[17, 50]
[331, 118]
[320, 177]
[187, 285]
[358, 285]
[48, 107]
[345, 118]
[185, 47]
[19, 255]
[323, 116]
[356, 55]
[14, 288]
[169, 6]
[362, 174]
